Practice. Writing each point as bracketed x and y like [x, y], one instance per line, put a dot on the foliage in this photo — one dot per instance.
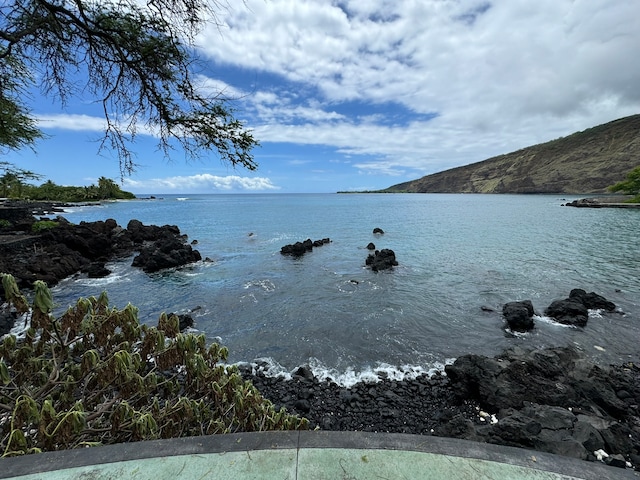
[135, 58]
[4, 223]
[106, 189]
[13, 180]
[96, 376]
[42, 225]
[17, 128]
[13, 185]
[629, 186]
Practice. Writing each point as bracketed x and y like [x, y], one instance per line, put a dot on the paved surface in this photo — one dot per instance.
[305, 455]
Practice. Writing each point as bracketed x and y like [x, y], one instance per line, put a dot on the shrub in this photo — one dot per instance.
[96, 376]
[43, 225]
[629, 186]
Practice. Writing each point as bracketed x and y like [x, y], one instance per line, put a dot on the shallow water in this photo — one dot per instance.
[456, 253]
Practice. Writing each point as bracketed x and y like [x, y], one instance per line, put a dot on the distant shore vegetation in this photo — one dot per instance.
[14, 183]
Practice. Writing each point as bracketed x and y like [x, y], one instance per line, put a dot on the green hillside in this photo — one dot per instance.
[584, 162]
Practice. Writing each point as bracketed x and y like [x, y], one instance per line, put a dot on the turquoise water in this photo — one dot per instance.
[456, 254]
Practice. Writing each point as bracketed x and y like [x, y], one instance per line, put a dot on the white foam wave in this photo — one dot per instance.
[182, 199]
[349, 377]
[266, 285]
[280, 237]
[100, 282]
[20, 326]
[551, 321]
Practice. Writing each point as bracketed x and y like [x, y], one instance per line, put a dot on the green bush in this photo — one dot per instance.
[4, 223]
[96, 376]
[43, 225]
[629, 186]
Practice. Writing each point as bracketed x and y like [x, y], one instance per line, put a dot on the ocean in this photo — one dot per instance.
[456, 255]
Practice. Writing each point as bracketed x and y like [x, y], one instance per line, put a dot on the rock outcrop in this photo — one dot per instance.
[300, 248]
[575, 309]
[519, 315]
[65, 249]
[384, 259]
[553, 400]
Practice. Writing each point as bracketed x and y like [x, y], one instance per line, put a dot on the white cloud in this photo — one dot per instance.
[359, 76]
[72, 122]
[201, 183]
[501, 75]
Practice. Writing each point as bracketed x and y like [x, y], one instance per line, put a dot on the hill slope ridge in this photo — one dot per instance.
[584, 162]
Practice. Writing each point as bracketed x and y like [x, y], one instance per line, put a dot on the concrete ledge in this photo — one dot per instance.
[302, 455]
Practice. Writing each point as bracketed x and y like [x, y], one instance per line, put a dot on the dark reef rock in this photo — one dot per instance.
[7, 320]
[96, 270]
[184, 320]
[66, 249]
[371, 246]
[519, 315]
[575, 309]
[552, 400]
[378, 231]
[591, 300]
[381, 260]
[167, 252]
[300, 248]
[568, 312]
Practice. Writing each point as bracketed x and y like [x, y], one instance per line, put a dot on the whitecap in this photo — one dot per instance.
[20, 326]
[266, 285]
[551, 321]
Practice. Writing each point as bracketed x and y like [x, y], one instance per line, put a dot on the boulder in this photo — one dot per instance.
[378, 231]
[575, 309]
[592, 300]
[568, 312]
[7, 320]
[184, 320]
[300, 248]
[519, 315]
[167, 252]
[371, 246]
[381, 260]
[97, 270]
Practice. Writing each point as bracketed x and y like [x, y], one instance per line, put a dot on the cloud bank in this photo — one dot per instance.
[201, 183]
[428, 85]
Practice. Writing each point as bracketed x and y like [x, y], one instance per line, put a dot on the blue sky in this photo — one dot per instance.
[365, 94]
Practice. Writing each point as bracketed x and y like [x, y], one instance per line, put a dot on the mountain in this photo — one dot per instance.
[584, 162]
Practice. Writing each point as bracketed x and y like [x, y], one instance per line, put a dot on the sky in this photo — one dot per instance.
[363, 94]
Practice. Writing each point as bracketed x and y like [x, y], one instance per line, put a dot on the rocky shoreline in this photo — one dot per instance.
[551, 400]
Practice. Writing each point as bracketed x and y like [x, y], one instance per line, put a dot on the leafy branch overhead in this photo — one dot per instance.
[96, 376]
[136, 59]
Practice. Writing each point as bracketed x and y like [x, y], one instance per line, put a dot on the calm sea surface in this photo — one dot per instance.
[456, 254]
